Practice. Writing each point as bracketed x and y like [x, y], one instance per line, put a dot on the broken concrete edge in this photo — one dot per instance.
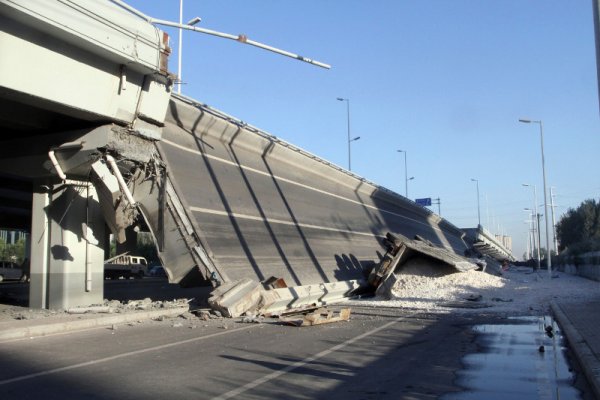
[584, 354]
[88, 323]
[237, 298]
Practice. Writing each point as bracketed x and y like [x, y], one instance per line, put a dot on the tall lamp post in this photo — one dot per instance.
[536, 223]
[548, 250]
[478, 206]
[529, 253]
[180, 44]
[406, 178]
[349, 140]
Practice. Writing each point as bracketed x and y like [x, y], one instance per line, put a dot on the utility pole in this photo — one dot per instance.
[478, 206]
[553, 221]
[180, 46]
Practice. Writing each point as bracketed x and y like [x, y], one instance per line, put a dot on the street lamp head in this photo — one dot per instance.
[530, 121]
[194, 21]
[400, 151]
[411, 178]
[342, 99]
[474, 180]
[356, 138]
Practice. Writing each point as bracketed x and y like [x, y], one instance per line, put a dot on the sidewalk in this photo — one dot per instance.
[21, 322]
[580, 324]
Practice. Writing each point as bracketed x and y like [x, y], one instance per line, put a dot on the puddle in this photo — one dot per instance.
[517, 360]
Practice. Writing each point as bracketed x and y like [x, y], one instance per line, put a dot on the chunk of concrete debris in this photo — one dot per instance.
[316, 317]
[204, 315]
[251, 318]
[298, 297]
[233, 299]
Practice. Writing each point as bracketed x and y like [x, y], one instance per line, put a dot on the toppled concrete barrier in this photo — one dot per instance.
[277, 300]
[233, 299]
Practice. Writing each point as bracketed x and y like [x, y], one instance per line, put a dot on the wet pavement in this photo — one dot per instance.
[524, 358]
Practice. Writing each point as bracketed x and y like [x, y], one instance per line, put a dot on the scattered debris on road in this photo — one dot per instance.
[316, 317]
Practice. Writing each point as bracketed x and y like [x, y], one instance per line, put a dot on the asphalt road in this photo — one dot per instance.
[378, 354]
[381, 353]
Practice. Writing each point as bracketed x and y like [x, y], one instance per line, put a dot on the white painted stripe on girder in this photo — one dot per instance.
[279, 178]
[278, 221]
[302, 363]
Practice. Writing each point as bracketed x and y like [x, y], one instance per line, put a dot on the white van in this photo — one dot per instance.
[125, 266]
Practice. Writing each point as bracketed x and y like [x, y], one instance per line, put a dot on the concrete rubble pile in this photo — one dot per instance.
[273, 297]
[402, 249]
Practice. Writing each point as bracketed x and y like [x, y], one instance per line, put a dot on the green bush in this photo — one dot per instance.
[13, 252]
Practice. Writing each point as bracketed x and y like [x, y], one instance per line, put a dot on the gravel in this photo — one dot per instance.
[426, 286]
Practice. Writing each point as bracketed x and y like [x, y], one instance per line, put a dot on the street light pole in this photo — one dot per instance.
[553, 221]
[548, 256]
[405, 173]
[349, 140]
[536, 223]
[529, 251]
[478, 207]
[180, 46]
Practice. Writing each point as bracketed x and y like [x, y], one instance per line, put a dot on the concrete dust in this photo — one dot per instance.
[423, 285]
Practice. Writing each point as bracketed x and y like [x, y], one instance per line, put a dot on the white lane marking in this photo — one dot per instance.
[299, 364]
[279, 178]
[116, 357]
[278, 221]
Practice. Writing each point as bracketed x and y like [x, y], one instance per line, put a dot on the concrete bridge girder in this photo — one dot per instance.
[99, 62]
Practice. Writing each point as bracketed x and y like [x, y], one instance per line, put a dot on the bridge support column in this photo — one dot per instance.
[67, 241]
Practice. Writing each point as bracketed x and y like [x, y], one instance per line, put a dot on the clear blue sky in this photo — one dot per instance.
[444, 80]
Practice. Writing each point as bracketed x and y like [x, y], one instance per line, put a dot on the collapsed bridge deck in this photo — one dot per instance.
[260, 207]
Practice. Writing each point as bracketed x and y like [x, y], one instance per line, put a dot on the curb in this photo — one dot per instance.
[586, 358]
[81, 324]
